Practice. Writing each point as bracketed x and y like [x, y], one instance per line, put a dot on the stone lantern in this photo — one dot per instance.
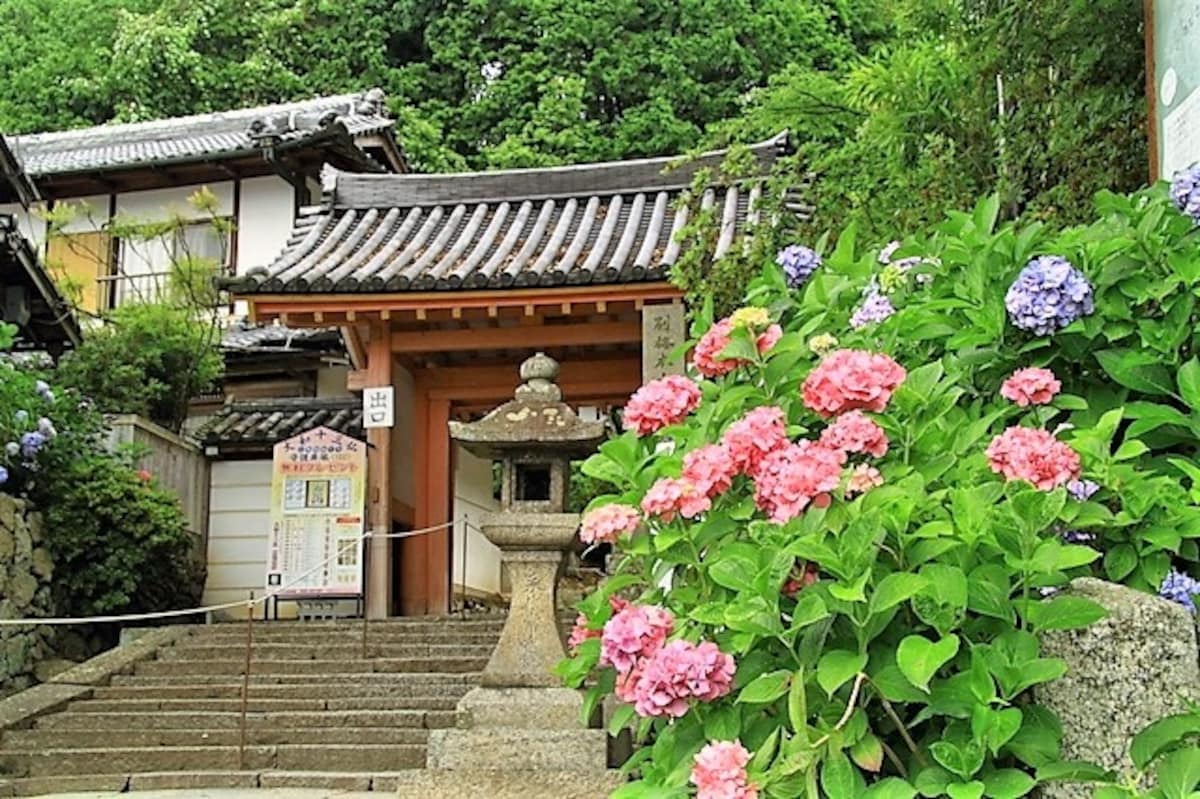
[535, 436]
[521, 726]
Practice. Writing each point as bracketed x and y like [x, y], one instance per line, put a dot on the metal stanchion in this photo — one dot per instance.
[366, 571]
[246, 682]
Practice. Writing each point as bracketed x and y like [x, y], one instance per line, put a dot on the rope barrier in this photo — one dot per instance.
[249, 604]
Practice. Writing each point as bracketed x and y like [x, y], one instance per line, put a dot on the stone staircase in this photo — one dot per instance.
[319, 713]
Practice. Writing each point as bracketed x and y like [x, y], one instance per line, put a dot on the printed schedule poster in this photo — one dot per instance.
[318, 493]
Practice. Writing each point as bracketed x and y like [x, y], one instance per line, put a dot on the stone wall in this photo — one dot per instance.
[25, 570]
[1125, 671]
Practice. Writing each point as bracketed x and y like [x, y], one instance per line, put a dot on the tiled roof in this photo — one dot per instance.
[592, 223]
[272, 338]
[260, 424]
[198, 137]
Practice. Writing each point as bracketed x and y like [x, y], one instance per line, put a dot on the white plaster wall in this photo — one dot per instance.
[266, 221]
[473, 498]
[238, 520]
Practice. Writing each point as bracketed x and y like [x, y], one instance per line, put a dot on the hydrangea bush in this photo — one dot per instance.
[839, 543]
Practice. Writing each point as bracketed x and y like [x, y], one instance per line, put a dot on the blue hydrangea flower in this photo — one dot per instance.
[798, 262]
[12, 448]
[1048, 295]
[31, 444]
[46, 428]
[3, 475]
[875, 308]
[885, 255]
[1082, 490]
[1179, 587]
[1185, 191]
[41, 386]
[22, 416]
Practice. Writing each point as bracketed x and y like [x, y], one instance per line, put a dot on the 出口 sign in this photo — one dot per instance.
[318, 491]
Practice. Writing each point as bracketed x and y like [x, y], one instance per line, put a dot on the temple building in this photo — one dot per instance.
[443, 284]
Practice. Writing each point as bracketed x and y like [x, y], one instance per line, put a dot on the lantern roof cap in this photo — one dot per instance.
[536, 420]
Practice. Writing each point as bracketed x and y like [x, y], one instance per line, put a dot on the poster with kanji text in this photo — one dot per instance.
[318, 501]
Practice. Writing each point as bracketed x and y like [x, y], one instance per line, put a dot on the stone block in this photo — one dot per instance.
[329, 780]
[42, 564]
[521, 708]
[8, 545]
[510, 784]
[21, 589]
[567, 751]
[1125, 671]
[182, 780]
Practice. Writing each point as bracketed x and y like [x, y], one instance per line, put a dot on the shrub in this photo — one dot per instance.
[149, 359]
[877, 543]
[120, 544]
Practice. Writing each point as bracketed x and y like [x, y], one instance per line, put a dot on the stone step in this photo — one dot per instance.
[227, 720]
[323, 667]
[309, 690]
[34, 740]
[389, 679]
[354, 627]
[323, 651]
[308, 757]
[381, 782]
[262, 705]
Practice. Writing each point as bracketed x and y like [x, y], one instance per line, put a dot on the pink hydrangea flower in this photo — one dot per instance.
[794, 585]
[1033, 455]
[863, 479]
[707, 356]
[608, 523]
[679, 672]
[719, 772]
[669, 496]
[580, 631]
[847, 380]
[855, 432]
[661, 402]
[632, 634]
[1031, 386]
[710, 469]
[793, 477]
[755, 436]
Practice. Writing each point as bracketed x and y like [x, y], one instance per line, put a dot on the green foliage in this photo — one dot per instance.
[519, 82]
[907, 666]
[1167, 751]
[8, 334]
[119, 543]
[150, 359]
[917, 127]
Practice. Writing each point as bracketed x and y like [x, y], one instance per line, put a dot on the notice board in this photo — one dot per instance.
[1173, 56]
[318, 491]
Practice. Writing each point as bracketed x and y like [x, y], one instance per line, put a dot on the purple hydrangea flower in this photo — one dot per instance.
[1048, 295]
[798, 262]
[1082, 490]
[1077, 537]
[3, 475]
[885, 255]
[1185, 191]
[31, 444]
[1179, 587]
[41, 386]
[12, 448]
[875, 308]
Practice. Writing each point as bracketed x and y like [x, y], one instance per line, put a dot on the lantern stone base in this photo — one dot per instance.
[528, 741]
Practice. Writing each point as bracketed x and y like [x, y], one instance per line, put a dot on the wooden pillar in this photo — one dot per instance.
[425, 571]
[438, 576]
[379, 482]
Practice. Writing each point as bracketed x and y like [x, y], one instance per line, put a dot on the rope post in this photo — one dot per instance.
[466, 522]
[366, 573]
[246, 682]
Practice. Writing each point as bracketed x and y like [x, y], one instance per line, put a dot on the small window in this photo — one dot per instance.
[202, 240]
[533, 482]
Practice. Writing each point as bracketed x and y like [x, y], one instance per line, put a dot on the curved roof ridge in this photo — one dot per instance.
[168, 122]
[601, 177]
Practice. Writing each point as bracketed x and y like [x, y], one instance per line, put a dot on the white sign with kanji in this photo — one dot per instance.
[379, 407]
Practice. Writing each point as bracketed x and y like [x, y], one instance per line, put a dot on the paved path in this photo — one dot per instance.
[227, 793]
